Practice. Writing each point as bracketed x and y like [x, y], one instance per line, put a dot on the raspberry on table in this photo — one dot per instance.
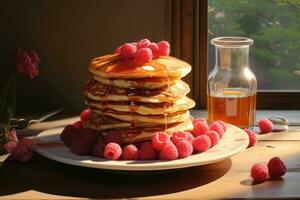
[164, 48]
[178, 136]
[98, 149]
[259, 172]
[168, 152]
[154, 48]
[85, 115]
[276, 167]
[143, 55]
[201, 143]
[112, 151]
[265, 125]
[216, 126]
[159, 140]
[200, 127]
[128, 50]
[130, 152]
[252, 137]
[147, 152]
[143, 43]
[214, 137]
[70, 134]
[185, 148]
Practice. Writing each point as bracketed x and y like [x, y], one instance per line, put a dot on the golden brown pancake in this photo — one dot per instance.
[99, 92]
[183, 103]
[113, 66]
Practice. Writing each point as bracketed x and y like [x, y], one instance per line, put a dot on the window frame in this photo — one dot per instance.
[187, 29]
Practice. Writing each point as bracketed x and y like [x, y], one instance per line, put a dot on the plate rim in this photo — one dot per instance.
[111, 165]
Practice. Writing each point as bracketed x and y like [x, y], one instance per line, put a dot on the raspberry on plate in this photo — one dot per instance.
[214, 137]
[85, 115]
[112, 151]
[98, 149]
[185, 148]
[276, 167]
[164, 48]
[147, 152]
[265, 125]
[84, 144]
[201, 143]
[252, 137]
[113, 136]
[143, 43]
[70, 134]
[200, 127]
[191, 137]
[78, 124]
[259, 172]
[128, 50]
[168, 152]
[130, 152]
[178, 136]
[159, 140]
[143, 55]
[218, 127]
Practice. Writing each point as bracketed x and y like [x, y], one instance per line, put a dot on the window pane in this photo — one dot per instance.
[274, 25]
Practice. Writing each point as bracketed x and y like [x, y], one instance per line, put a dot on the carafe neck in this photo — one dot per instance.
[232, 58]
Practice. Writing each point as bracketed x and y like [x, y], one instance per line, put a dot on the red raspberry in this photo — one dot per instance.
[201, 143]
[130, 152]
[84, 144]
[113, 136]
[128, 50]
[259, 172]
[143, 43]
[178, 136]
[191, 137]
[159, 140]
[185, 148]
[98, 149]
[214, 137]
[143, 55]
[154, 48]
[252, 137]
[223, 125]
[276, 167]
[168, 152]
[216, 126]
[118, 50]
[265, 125]
[200, 127]
[147, 152]
[112, 151]
[164, 48]
[77, 124]
[85, 115]
[70, 134]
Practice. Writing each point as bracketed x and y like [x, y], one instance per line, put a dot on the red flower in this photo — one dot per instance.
[27, 62]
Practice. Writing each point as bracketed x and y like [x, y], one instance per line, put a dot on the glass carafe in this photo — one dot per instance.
[232, 85]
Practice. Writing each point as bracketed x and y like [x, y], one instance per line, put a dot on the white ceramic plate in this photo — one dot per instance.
[234, 141]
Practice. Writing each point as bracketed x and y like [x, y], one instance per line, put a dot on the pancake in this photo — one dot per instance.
[144, 83]
[113, 66]
[99, 92]
[137, 118]
[180, 104]
[141, 133]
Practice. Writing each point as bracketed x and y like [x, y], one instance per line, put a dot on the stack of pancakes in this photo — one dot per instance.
[138, 100]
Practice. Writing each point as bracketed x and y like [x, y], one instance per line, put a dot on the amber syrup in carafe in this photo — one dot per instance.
[233, 106]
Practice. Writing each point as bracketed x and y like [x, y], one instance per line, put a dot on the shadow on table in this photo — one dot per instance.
[59, 179]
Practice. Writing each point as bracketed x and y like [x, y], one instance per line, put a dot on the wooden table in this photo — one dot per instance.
[45, 179]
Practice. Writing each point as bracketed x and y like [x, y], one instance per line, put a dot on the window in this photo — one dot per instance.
[273, 24]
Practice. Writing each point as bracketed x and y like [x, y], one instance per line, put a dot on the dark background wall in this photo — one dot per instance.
[67, 34]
